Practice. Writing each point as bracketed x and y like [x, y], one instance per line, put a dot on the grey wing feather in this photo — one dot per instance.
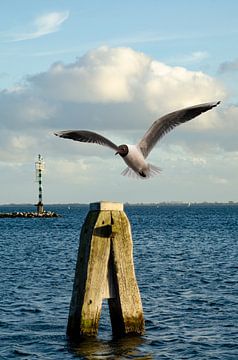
[87, 136]
[167, 122]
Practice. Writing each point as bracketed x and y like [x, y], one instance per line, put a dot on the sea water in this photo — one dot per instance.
[186, 262]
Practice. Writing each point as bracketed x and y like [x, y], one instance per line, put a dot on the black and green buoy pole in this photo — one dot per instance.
[39, 168]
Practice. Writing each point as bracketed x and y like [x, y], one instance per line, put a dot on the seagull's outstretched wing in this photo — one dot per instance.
[167, 122]
[87, 136]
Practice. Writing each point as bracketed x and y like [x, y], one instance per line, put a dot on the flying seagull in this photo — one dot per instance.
[135, 155]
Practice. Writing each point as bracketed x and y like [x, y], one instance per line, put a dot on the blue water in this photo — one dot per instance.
[186, 266]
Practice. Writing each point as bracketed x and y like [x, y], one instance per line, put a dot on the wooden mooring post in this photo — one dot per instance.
[105, 270]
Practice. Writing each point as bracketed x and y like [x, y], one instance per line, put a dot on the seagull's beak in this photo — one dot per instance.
[117, 153]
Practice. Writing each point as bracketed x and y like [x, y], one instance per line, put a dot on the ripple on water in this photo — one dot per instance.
[186, 266]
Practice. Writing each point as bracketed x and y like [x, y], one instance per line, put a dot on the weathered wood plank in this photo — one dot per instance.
[90, 276]
[126, 306]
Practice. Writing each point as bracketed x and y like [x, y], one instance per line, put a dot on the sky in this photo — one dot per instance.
[114, 68]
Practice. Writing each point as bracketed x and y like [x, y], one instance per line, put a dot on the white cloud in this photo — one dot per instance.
[118, 92]
[41, 26]
[21, 143]
[188, 59]
[121, 75]
[107, 89]
[197, 56]
[102, 75]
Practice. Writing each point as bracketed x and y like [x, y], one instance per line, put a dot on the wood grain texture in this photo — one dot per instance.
[126, 306]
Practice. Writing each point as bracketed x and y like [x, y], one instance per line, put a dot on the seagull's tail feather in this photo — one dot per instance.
[154, 170]
[150, 172]
[130, 173]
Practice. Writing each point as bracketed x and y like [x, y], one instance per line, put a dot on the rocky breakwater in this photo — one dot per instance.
[17, 214]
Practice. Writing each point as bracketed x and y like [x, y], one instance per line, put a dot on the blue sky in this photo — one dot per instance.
[115, 68]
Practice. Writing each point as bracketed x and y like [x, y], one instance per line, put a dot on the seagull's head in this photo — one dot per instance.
[122, 150]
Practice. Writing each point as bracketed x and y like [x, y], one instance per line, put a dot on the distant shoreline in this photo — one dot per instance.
[162, 203]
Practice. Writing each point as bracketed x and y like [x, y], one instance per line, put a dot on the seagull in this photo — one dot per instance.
[135, 155]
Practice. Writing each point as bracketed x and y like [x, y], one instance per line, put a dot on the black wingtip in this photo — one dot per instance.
[214, 104]
[59, 133]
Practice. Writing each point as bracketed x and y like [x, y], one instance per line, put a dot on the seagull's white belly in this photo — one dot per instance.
[135, 159]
